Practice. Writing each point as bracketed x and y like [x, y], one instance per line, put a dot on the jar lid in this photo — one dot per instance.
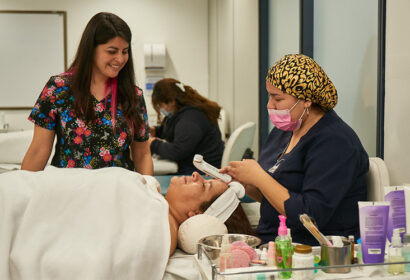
[303, 249]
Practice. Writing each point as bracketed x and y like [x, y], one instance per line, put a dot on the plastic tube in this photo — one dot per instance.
[373, 218]
[397, 214]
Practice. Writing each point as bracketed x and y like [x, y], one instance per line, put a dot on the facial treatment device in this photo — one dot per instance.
[209, 169]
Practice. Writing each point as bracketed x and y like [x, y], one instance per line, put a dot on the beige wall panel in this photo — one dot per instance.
[397, 113]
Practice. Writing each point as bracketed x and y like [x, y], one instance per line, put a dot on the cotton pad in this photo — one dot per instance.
[240, 245]
[337, 241]
[240, 258]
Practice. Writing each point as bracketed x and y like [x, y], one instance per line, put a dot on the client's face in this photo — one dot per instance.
[192, 191]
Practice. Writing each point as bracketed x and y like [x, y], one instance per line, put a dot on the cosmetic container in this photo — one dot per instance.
[397, 213]
[406, 251]
[264, 254]
[395, 254]
[373, 235]
[303, 257]
[359, 255]
[271, 254]
[225, 257]
[351, 239]
[283, 244]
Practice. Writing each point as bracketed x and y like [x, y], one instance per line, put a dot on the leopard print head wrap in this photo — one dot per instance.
[302, 77]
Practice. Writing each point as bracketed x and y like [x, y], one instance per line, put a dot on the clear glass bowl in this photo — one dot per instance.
[211, 245]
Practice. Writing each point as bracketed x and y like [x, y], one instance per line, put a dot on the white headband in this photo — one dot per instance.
[181, 86]
[226, 203]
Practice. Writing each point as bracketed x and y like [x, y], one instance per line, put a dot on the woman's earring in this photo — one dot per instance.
[307, 111]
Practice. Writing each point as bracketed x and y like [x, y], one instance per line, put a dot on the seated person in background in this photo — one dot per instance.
[189, 126]
[108, 223]
[312, 161]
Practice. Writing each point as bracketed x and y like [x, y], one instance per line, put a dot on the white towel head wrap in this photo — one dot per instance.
[226, 203]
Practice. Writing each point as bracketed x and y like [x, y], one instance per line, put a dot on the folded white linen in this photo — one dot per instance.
[109, 223]
[183, 266]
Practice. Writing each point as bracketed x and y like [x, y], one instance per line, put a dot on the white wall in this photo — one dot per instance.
[181, 24]
[212, 45]
[29, 40]
[234, 60]
[397, 99]
[284, 26]
[345, 45]
[284, 31]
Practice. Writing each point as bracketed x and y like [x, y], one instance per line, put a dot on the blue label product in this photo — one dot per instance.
[397, 213]
[373, 218]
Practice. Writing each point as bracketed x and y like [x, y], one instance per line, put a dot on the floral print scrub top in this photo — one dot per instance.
[80, 144]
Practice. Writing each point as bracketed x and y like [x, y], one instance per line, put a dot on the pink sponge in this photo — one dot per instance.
[240, 258]
[240, 245]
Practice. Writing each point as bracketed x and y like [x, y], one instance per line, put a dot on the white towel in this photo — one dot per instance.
[82, 224]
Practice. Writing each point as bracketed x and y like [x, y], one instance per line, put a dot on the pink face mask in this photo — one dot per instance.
[283, 120]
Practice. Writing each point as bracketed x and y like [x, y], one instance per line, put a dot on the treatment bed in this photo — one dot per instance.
[32, 247]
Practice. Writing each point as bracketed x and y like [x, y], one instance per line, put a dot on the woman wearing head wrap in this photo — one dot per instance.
[312, 162]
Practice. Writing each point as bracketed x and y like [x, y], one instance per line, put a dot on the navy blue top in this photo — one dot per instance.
[187, 133]
[325, 176]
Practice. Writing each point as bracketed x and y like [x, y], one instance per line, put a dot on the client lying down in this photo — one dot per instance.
[108, 223]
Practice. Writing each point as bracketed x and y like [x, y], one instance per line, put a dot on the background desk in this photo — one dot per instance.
[14, 145]
[163, 166]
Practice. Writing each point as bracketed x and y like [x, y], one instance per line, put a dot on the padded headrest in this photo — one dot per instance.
[197, 227]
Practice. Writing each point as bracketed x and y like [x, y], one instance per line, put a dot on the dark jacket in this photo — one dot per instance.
[325, 176]
[187, 133]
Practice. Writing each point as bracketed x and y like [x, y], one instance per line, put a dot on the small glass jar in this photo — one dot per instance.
[406, 251]
[303, 257]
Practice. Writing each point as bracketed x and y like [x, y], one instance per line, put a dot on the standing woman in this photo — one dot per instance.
[189, 126]
[94, 109]
[312, 161]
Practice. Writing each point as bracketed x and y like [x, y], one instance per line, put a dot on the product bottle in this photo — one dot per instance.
[283, 244]
[395, 253]
[271, 254]
[351, 239]
[406, 251]
[264, 254]
[303, 257]
[225, 257]
[359, 252]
